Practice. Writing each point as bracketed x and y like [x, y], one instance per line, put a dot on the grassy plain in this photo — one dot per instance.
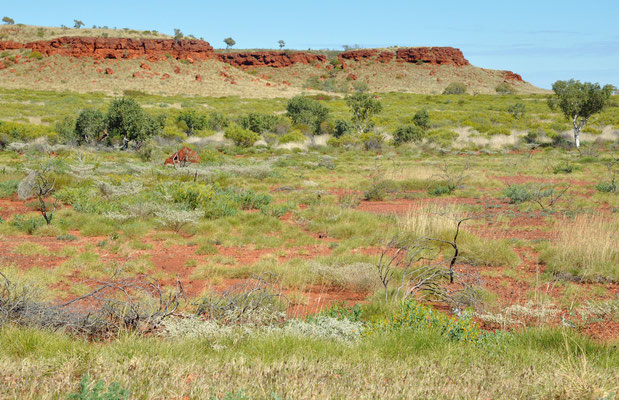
[533, 312]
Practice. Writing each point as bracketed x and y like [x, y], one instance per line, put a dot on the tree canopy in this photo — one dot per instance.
[579, 101]
[363, 107]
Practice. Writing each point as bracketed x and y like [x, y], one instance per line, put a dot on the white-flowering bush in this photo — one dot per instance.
[175, 219]
[319, 328]
[324, 328]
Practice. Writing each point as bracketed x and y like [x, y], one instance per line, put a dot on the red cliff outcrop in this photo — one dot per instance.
[124, 48]
[512, 76]
[432, 55]
[276, 59]
[366, 54]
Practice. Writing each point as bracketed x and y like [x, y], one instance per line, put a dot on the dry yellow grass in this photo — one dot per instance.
[586, 247]
[30, 33]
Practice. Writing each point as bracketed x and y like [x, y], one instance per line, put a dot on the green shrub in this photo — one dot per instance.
[439, 190]
[26, 224]
[35, 55]
[455, 88]
[90, 126]
[294, 136]
[563, 168]
[258, 123]
[305, 110]
[192, 121]
[217, 121]
[422, 119]
[240, 136]
[504, 88]
[412, 315]
[517, 110]
[408, 133]
[607, 186]
[99, 391]
[518, 194]
[126, 120]
[8, 188]
[341, 128]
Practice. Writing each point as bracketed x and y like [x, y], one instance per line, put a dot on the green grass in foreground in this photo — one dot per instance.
[404, 363]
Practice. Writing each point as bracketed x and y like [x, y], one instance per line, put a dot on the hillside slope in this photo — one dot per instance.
[157, 64]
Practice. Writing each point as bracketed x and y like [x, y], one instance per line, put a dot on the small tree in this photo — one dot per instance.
[127, 120]
[193, 121]
[8, 21]
[282, 44]
[304, 110]
[579, 101]
[517, 110]
[407, 133]
[229, 42]
[422, 119]
[178, 35]
[89, 126]
[40, 183]
[363, 107]
[78, 24]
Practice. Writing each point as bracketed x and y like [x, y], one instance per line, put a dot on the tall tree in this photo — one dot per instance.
[282, 44]
[363, 107]
[579, 101]
[78, 24]
[8, 21]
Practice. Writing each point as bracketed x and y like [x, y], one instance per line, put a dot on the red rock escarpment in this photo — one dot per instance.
[427, 55]
[432, 55]
[276, 59]
[366, 54]
[118, 48]
[123, 48]
[512, 76]
[159, 49]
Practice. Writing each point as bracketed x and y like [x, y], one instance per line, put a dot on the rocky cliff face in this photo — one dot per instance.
[120, 48]
[159, 49]
[432, 55]
[276, 59]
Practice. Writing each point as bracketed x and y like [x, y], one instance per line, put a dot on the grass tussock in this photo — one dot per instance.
[586, 248]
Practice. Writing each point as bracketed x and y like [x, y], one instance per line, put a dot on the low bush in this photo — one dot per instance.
[240, 136]
[455, 88]
[408, 133]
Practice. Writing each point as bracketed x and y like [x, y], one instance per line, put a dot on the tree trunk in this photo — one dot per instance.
[577, 128]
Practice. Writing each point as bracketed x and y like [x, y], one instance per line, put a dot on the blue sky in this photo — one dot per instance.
[543, 40]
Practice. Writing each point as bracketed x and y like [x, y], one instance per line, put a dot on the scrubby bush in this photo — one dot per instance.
[99, 391]
[517, 110]
[240, 136]
[217, 121]
[305, 110]
[294, 136]
[455, 88]
[127, 120]
[258, 123]
[504, 88]
[607, 186]
[407, 133]
[422, 119]
[192, 120]
[90, 126]
[518, 194]
[341, 128]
